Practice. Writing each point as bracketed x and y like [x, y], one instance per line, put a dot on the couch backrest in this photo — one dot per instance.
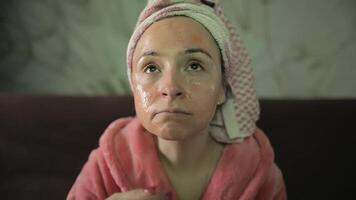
[45, 140]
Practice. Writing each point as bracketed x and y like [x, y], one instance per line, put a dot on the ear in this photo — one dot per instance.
[222, 95]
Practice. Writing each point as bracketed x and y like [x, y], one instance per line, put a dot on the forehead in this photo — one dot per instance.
[177, 32]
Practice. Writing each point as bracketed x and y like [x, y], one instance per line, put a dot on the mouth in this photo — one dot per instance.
[173, 112]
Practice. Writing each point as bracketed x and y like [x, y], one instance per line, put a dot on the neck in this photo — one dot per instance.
[184, 154]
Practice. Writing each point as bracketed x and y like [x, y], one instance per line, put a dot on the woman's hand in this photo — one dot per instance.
[140, 194]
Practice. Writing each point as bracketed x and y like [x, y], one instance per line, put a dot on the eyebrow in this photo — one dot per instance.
[197, 50]
[187, 51]
[149, 53]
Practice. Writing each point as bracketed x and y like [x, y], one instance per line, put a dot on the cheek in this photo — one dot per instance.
[204, 100]
[143, 98]
[204, 89]
[205, 96]
[143, 95]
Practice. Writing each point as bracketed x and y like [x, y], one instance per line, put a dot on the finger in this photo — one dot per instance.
[154, 195]
[157, 197]
[138, 194]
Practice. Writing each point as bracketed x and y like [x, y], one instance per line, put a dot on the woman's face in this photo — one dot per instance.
[176, 78]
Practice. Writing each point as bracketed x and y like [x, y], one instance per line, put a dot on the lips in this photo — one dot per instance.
[173, 111]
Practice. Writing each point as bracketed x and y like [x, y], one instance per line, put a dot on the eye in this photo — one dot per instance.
[195, 66]
[150, 68]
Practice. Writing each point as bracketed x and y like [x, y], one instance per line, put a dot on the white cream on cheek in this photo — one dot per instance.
[207, 85]
[144, 96]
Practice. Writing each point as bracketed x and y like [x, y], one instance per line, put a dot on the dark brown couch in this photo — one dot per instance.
[44, 141]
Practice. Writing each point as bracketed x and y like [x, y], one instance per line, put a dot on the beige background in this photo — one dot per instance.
[300, 49]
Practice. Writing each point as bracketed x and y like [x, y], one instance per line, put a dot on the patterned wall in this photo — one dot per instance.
[300, 49]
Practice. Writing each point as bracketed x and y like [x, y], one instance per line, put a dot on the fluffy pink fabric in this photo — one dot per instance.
[127, 159]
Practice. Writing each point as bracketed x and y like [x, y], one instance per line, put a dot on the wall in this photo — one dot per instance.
[300, 49]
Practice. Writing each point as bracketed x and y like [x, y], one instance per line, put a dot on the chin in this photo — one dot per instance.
[173, 133]
[170, 138]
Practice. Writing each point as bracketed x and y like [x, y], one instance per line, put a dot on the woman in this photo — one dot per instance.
[194, 136]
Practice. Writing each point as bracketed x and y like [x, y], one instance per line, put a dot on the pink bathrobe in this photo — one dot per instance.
[127, 159]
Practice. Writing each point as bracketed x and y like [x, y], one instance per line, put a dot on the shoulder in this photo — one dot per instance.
[257, 145]
[263, 143]
[119, 134]
[109, 166]
[256, 152]
[274, 180]
[114, 128]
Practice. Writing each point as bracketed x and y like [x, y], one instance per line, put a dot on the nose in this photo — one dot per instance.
[171, 86]
[174, 92]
